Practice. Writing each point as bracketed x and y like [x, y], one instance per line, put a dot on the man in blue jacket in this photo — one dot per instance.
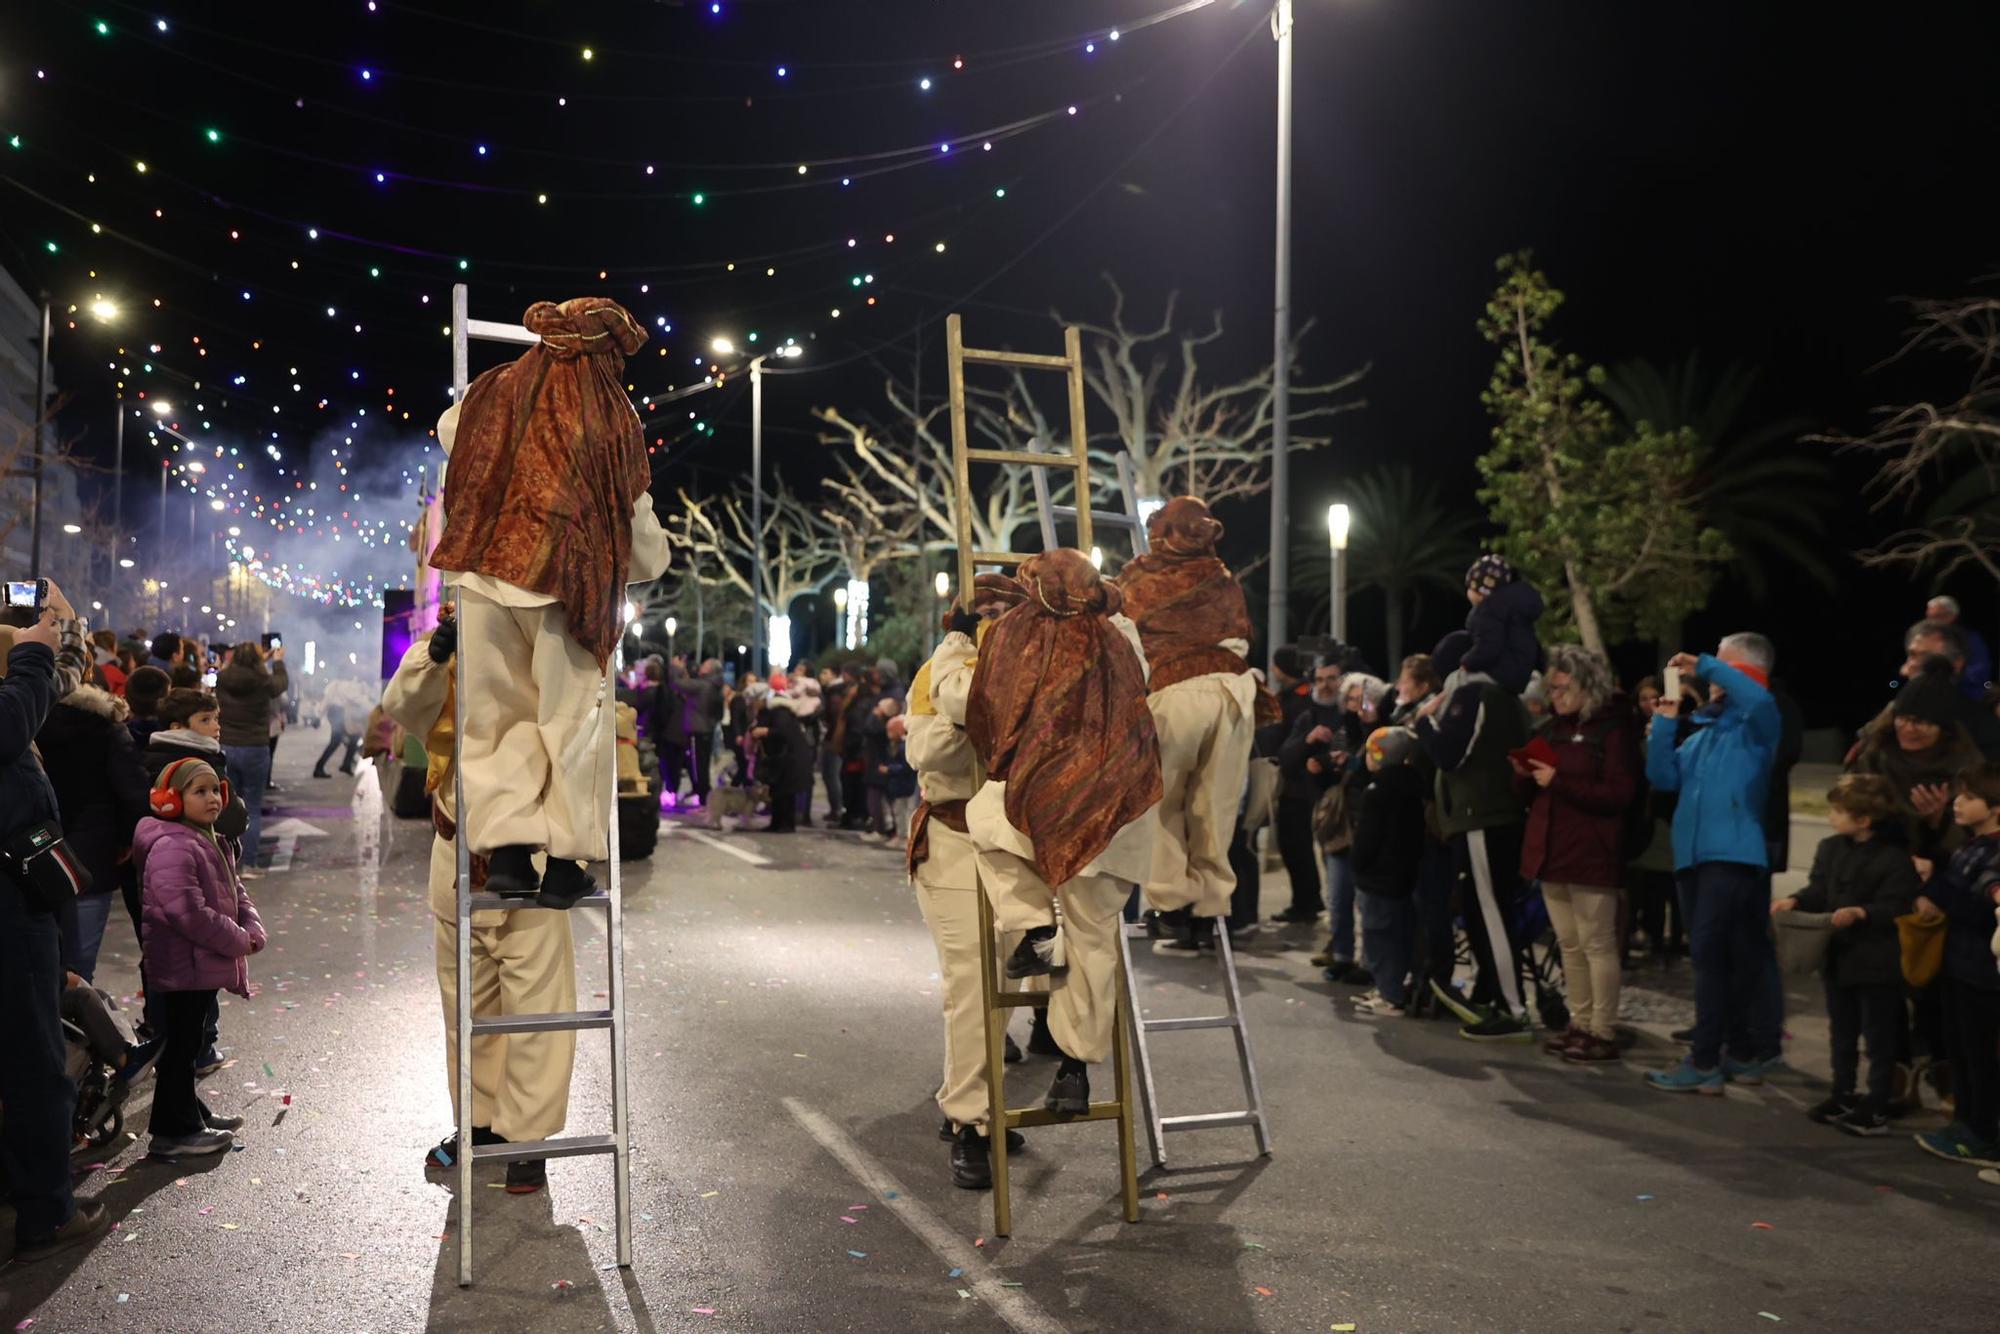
[34, 1085]
[1721, 861]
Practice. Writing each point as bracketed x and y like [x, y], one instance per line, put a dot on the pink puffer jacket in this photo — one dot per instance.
[199, 927]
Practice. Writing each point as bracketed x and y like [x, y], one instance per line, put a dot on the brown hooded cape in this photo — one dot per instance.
[1058, 710]
[1183, 598]
[548, 462]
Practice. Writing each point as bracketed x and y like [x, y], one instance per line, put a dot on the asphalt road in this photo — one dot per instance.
[785, 1041]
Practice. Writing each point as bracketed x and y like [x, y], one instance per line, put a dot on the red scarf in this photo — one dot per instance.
[1058, 710]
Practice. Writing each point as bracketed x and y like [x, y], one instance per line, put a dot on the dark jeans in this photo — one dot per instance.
[853, 799]
[1243, 861]
[829, 775]
[704, 748]
[1738, 995]
[673, 764]
[34, 1086]
[1654, 904]
[1874, 1013]
[176, 1109]
[1386, 934]
[351, 740]
[784, 810]
[249, 772]
[881, 809]
[1972, 1020]
[1432, 956]
[1300, 854]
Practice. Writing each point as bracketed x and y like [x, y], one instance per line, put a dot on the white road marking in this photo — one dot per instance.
[724, 845]
[1013, 1305]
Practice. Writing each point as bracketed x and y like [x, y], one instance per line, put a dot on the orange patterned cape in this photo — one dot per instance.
[1183, 598]
[1058, 710]
[548, 462]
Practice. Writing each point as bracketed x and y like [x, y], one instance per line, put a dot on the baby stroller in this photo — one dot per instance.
[1537, 960]
[100, 1054]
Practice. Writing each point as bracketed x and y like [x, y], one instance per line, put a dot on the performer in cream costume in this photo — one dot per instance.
[522, 962]
[1083, 954]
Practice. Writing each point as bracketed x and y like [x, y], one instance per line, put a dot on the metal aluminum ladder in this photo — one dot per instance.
[999, 1004]
[1158, 1126]
[619, 1142]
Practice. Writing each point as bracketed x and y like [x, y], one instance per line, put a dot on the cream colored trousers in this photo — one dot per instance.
[524, 965]
[1083, 1003]
[1586, 921]
[1205, 740]
[949, 898]
[537, 746]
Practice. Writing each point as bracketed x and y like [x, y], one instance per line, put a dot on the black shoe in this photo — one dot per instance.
[1295, 916]
[90, 1219]
[1030, 959]
[444, 1156]
[208, 1063]
[1070, 1094]
[1499, 1027]
[1865, 1121]
[214, 1122]
[1041, 1042]
[563, 884]
[1682, 1035]
[1013, 1056]
[527, 1175]
[1014, 1141]
[321, 773]
[511, 874]
[1830, 1111]
[971, 1160]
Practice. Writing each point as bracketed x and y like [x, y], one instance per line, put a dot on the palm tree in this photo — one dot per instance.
[1768, 497]
[1405, 540]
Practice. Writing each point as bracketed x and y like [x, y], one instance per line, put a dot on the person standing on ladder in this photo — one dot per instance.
[546, 520]
[1195, 628]
[522, 962]
[942, 867]
[1057, 715]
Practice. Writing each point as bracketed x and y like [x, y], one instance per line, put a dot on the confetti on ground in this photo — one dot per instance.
[888, 1194]
[802, 1056]
[1161, 1196]
[702, 1310]
[1253, 1245]
[1776, 1320]
[1010, 1285]
[1261, 1292]
[859, 1255]
[954, 1273]
[205, 1210]
[230, 1227]
[26, 1323]
[845, 1219]
[979, 1241]
[1763, 1227]
[857, 1208]
[269, 1073]
[1343, 1329]
[1642, 1198]
[124, 1297]
[964, 1296]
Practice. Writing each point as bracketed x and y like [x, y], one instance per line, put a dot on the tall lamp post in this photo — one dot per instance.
[673, 624]
[1281, 342]
[727, 347]
[1339, 519]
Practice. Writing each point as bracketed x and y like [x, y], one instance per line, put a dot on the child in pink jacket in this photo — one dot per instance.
[197, 930]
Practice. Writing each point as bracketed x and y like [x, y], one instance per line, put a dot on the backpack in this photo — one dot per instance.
[1333, 819]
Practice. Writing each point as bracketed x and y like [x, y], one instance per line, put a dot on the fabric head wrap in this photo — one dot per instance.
[547, 461]
[1058, 710]
[1184, 600]
[1183, 527]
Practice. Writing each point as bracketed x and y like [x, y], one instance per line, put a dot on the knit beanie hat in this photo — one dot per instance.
[1489, 572]
[1391, 746]
[1286, 659]
[1930, 697]
[1451, 651]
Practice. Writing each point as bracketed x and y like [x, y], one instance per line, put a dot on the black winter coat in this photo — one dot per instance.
[1389, 833]
[1297, 782]
[245, 693]
[27, 694]
[100, 785]
[1877, 877]
[786, 756]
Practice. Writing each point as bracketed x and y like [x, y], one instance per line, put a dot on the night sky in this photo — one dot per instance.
[1755, 182]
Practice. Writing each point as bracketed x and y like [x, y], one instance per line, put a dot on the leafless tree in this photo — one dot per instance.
[871, 523]
[1183, 431]
[1945, 452]
[800, 547]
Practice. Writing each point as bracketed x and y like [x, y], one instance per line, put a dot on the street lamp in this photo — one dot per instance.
[1281, 344]
[1339, 520]
[726, 347]
[673, 624]
[942, 583]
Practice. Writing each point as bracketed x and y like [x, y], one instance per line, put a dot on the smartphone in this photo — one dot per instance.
[208, 680]
[28, 593]
[272, 641]
[1673, 686]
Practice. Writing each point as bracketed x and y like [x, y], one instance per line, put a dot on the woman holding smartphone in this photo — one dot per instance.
[247, 689]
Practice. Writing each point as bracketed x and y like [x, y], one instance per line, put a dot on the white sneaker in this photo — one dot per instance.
[1376, 1007]
[1368, 997]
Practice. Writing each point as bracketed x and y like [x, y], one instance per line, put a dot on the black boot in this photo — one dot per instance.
[1013, 1056]
[510, 873]
[564, 884]
[1030, 959]
[1070, 1094]
[1041, 1042]
[971, 1160]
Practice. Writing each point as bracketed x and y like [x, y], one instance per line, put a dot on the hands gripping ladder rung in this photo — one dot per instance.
[618, 1144]
[1001, 1004]
[1233, 1019]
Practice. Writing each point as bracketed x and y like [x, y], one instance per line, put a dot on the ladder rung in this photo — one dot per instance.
[575, 1146]
[1189, 1025]
[1021, 457]
[542, 1023]
[482, 902]
[1208, 1121]
[1116, 520]
[1038, 359]
[1030, 1117]
[1021, 1000]
[1000, 557]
